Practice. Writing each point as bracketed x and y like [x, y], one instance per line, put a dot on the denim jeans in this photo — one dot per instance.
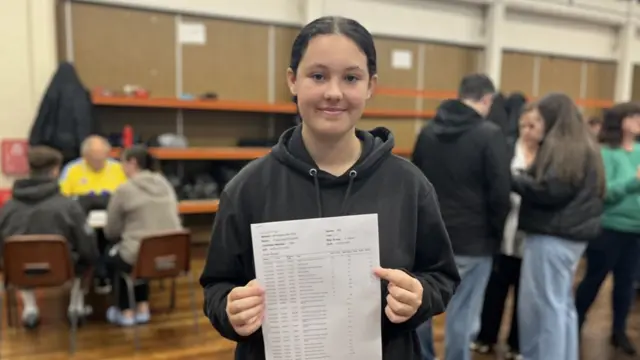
[463, 312]
[547, 319]
[425, 335]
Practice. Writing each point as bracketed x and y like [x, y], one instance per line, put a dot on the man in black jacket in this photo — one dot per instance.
[38, 207]
[465, 158]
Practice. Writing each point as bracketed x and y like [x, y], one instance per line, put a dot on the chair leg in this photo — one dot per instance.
[132, 303]
[1, 324]
[8, 305]
[73, 317]
[12, 306]
[194, 309]
[172, 294]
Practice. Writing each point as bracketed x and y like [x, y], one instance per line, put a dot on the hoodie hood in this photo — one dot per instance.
[453, 118]
[34, 190]
[150, 183]
[291, 151]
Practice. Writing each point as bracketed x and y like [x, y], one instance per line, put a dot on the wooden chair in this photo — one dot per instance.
[37, 261]
[162, 256]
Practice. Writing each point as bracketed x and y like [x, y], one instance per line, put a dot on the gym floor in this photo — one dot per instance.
[172, 335]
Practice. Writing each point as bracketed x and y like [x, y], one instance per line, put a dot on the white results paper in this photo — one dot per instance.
[323, 301]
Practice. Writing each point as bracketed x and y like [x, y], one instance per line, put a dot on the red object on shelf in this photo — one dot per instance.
[127, 136]
[141, 93]
[14, 157]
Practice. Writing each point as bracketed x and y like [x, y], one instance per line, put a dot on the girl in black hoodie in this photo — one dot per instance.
[326, 167]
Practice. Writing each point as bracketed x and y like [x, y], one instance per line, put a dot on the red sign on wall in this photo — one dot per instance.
[14, 157]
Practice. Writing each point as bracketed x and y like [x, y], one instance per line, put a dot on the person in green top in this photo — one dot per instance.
[617, 249]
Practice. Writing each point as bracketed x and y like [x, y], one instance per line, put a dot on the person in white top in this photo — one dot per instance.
[506, 265]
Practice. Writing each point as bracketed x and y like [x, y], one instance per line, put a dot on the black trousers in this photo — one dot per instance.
[617, 252]
[103, 246]
[115, 266]
[505, 274]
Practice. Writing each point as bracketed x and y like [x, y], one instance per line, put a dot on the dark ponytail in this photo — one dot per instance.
[142, 156]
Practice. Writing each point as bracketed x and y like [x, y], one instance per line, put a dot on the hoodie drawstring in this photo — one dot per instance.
[316, 183]
[314, 175]
[352, 176]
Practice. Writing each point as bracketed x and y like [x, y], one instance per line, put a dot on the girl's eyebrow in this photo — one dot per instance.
[350, 68]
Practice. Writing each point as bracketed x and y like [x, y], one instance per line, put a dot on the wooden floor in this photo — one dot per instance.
[172, 335]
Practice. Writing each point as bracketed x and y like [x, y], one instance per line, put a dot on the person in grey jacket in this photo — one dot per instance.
[143, 206]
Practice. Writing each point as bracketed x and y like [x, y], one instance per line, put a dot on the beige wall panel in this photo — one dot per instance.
[233, 62]
[517, 73]
[117, 46]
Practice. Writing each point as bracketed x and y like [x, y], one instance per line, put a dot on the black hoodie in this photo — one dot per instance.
[466, 159]
[37, 207]
[287, 185]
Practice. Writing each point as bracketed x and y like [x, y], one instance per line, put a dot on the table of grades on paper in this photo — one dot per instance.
[323, 301]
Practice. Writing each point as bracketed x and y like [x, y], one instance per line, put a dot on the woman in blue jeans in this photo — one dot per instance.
[617, 248]
[425, 334]
[561, 205]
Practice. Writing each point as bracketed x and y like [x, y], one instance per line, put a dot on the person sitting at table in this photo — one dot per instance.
[38, 208]
[145, 205]
[95, 173]
[91, 180]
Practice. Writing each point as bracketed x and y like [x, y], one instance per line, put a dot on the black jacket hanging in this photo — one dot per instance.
[65, 116]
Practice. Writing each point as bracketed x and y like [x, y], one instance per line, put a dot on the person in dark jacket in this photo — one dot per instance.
[38, 207]
[560, 211]
[506, 265]
[514, 104]
[65, 117]
[325, 167]
[498, 113]
[466, 159]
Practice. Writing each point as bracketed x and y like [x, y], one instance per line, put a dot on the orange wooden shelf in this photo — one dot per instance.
[198, 206]
[237, 106]
[221, 153]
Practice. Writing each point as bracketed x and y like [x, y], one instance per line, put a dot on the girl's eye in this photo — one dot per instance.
[351, 78]
[317, 77]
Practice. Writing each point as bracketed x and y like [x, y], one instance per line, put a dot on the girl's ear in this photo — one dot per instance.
[373, 83]
[291, 81]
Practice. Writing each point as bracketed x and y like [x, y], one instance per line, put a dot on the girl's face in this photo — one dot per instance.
[531, 127]
[332, 85]
[130, 167]
[631, 125]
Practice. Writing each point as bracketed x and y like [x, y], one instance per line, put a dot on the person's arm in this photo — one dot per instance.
[83, 239]
[434, 265]
[115, 215]
[497, 182]
[617, 188]
[550, 191]
[229, 251]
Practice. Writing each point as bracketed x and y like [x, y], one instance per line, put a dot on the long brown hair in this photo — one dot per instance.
[568, 148]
